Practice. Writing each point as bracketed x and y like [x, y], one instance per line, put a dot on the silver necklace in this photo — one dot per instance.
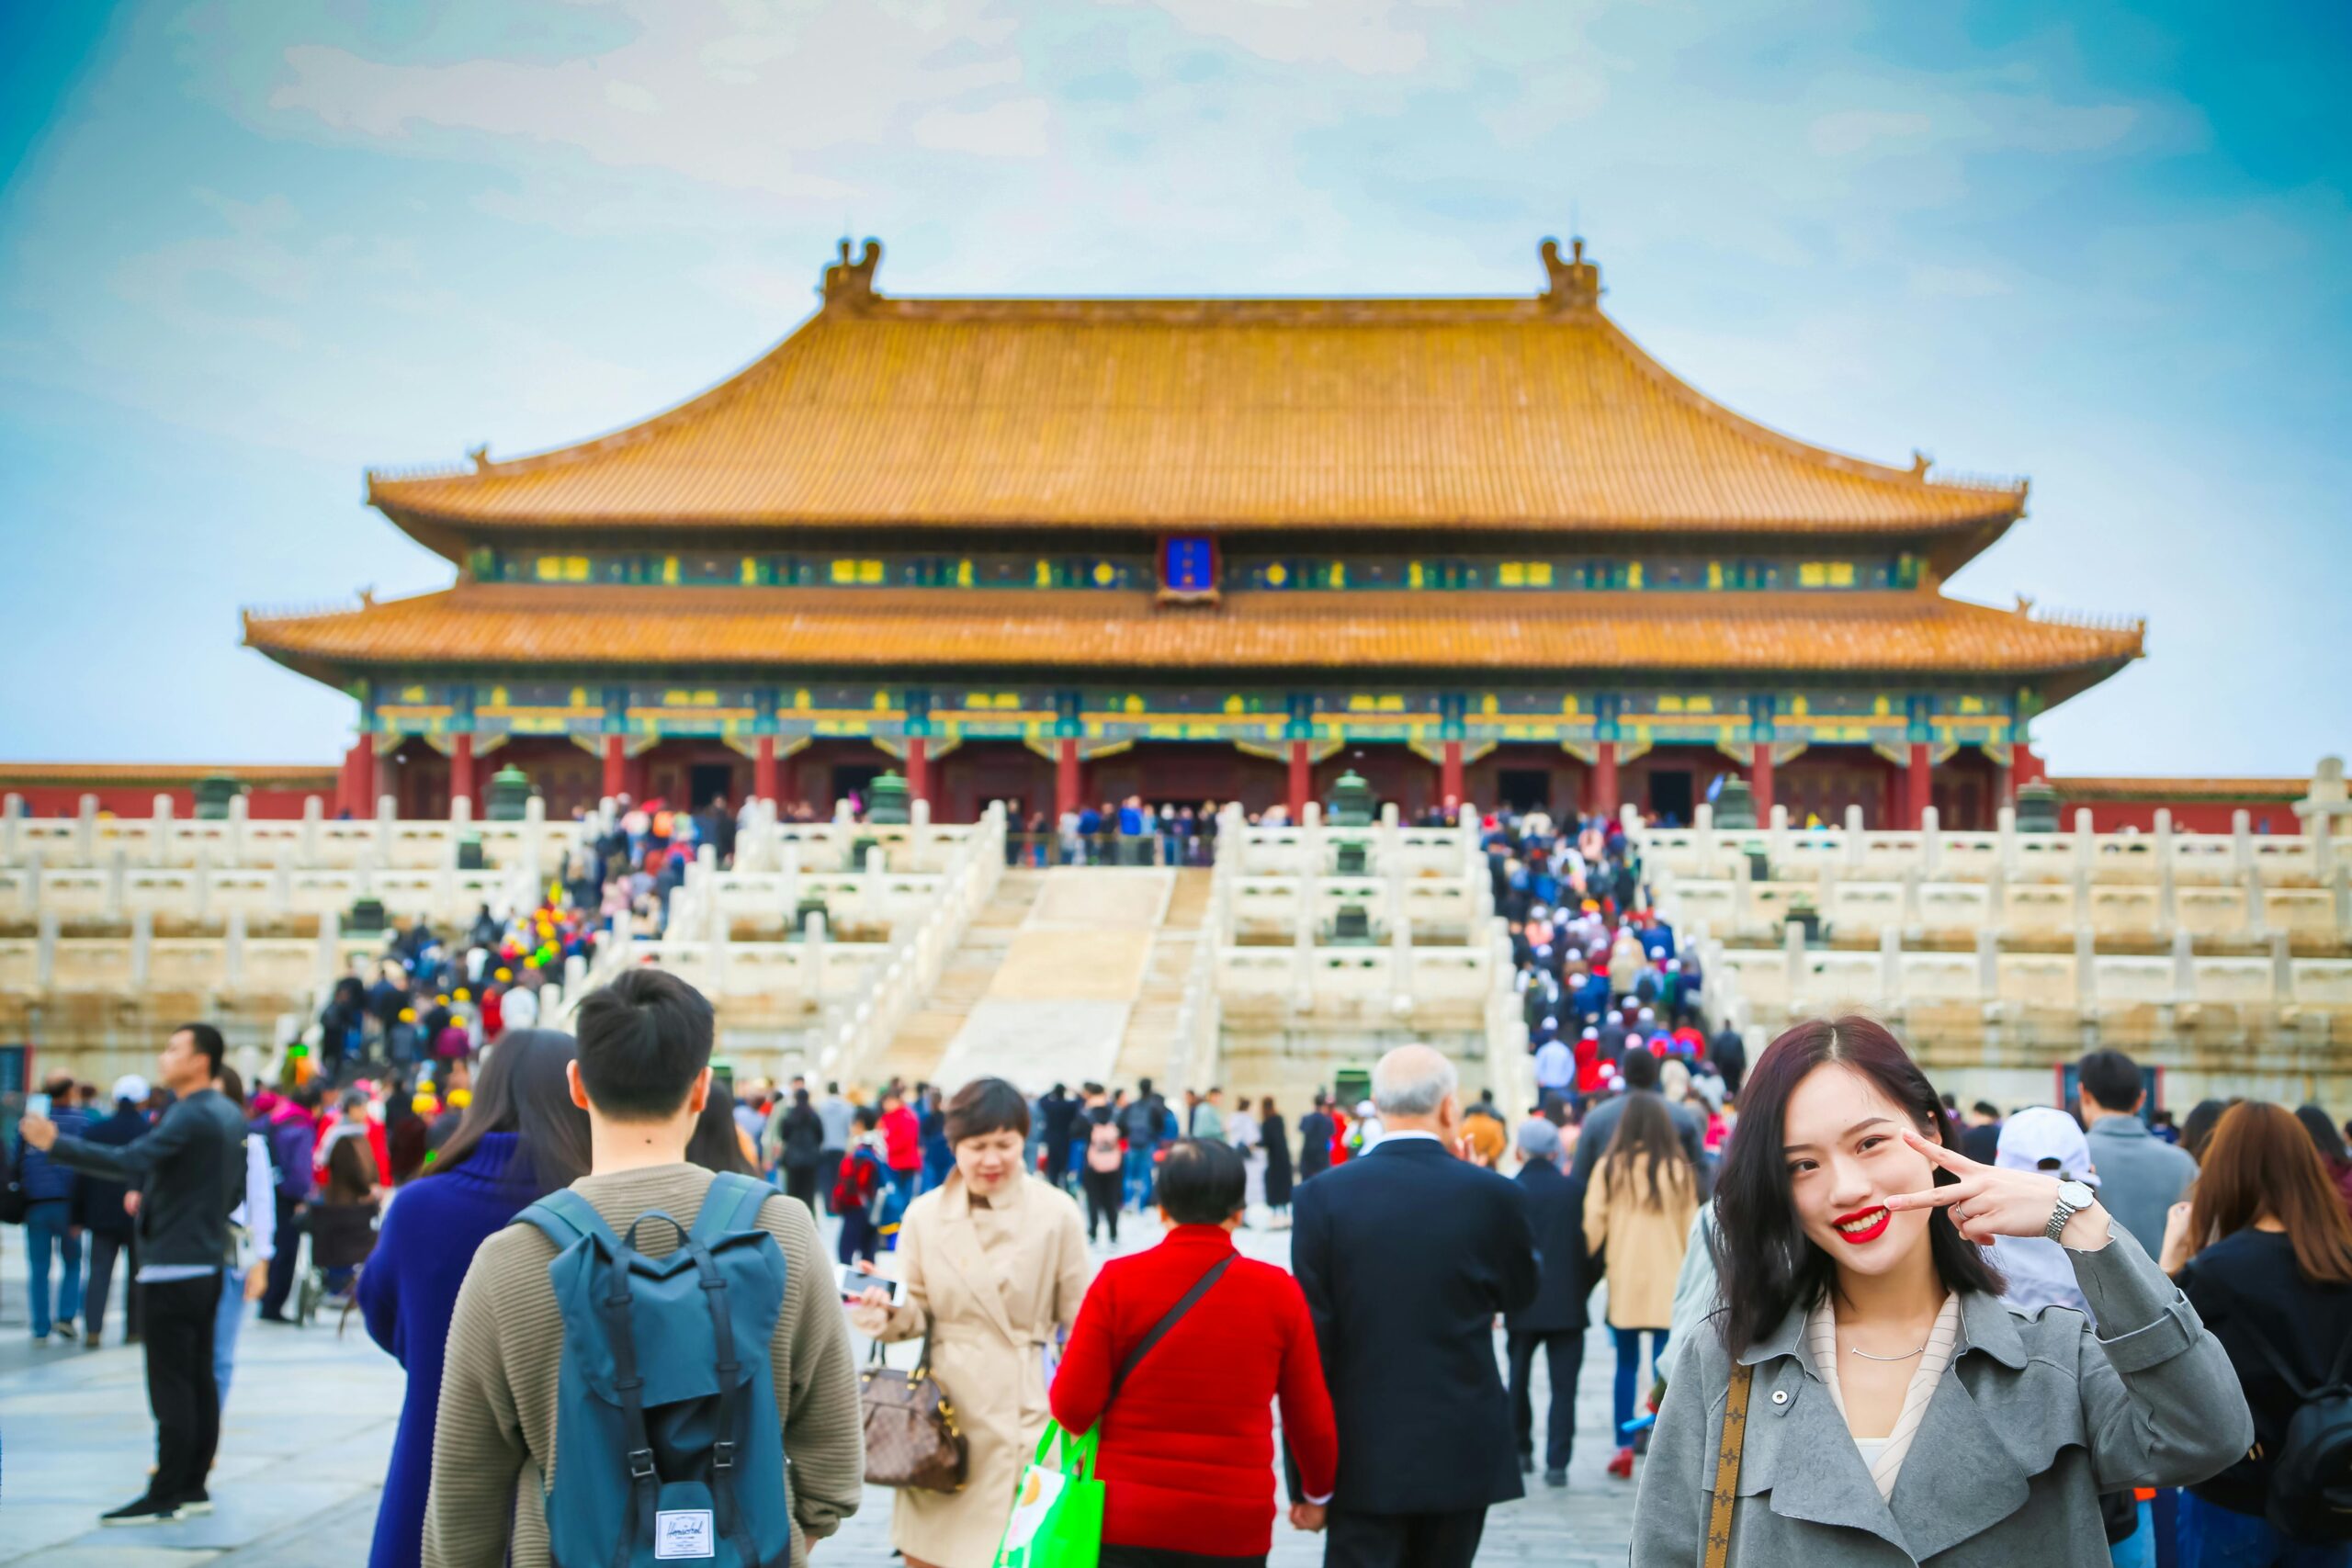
[1865, 1355]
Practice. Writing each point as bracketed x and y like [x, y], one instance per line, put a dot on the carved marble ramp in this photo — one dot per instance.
[1057, 1008]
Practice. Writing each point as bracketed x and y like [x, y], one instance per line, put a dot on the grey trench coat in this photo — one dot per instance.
[2034, 1418]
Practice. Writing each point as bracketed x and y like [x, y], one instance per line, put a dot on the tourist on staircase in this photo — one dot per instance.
[1637, 1209]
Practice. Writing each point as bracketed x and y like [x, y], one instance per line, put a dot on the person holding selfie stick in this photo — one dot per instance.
[1863, 1383]
[992, 1263]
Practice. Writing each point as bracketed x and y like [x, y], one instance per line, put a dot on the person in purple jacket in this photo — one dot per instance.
[521, 1139]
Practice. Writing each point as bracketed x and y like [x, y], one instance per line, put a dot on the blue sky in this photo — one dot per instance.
[248, 249]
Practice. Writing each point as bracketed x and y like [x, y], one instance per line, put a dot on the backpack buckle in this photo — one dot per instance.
[640, 1464]
[722, 1455]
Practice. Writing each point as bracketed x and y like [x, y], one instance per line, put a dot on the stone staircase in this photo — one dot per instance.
[922, 1040]
[1150, 1034]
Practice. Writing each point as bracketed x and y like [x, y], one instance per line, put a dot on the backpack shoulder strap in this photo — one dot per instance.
[1174, 1316]
[731, 1204]
[564, 1217]
[2277, 1364]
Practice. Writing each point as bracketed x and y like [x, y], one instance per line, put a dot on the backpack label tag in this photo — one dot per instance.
[683, 1532]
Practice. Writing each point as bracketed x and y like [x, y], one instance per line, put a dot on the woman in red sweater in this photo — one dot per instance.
[1187, 1450]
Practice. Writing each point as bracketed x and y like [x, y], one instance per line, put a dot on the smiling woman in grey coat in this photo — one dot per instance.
[1896, 1412]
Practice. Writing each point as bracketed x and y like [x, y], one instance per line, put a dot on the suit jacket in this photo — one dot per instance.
[1567, 1269]
[1405, 1256]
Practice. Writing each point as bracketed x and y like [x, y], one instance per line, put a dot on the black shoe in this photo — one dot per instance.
[1526, 1464]
[144, 1511]
[271, 1317]
[1555, 1478]
[194, 1503]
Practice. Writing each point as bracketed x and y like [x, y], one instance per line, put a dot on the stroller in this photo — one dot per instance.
[342, 1231]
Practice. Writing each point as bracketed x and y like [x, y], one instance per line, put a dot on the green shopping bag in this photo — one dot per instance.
[1057, 1509]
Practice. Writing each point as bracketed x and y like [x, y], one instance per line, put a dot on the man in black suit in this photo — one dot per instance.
[1555, 1321]
[1314, 1131]
[1406, 1254]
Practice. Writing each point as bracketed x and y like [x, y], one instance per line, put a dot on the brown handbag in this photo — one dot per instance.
[1718, 1547]
[911, 1433]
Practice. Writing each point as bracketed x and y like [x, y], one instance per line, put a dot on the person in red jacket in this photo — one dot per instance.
[1187, 1447]
[902, 1143]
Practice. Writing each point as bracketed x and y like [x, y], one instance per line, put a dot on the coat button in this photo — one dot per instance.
[1779, 1396]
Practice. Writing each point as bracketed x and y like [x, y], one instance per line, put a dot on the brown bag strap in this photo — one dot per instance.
[1718, 1553]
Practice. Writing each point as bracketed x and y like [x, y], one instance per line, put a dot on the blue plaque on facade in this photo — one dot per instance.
[1188, 564]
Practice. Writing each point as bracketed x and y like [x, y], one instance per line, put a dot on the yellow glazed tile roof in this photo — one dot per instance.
[506, 623]
[1533, 414]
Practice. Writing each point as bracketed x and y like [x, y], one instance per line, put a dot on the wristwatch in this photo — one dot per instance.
[2074, 1197]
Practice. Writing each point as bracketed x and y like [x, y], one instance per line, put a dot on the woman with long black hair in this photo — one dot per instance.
[1888, 1408]
[521, 1139]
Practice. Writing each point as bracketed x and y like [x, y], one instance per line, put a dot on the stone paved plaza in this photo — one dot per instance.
[308, 1426]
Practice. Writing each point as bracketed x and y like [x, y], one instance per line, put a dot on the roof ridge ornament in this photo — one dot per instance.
[851, 283]
[1576, 283]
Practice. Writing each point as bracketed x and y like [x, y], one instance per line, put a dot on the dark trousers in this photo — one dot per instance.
[104, 1250]
[1563, 1359]
[802, 1184]
[1102, 1201]
[282, 1261]
[180, 1390]
[1403, 1541]
[1168, 1557]
[829, 1170]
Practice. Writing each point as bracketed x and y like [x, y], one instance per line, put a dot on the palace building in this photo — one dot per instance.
[1055, 550]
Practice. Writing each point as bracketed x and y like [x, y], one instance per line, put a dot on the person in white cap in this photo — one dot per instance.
[2039, 1138]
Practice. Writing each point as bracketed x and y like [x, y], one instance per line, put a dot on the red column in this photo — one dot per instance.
[379, 781]
[918, 768]
[1065, 776]
[615, 767]
[1760, 782]
[2025, 768]
[1449, 777]
[1604, 779]
[1918, 787]
[461, 772]
[358, 776]
[763, 770]
[1302, 781]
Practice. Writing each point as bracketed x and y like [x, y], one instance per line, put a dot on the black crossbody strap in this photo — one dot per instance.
[1174, 1316]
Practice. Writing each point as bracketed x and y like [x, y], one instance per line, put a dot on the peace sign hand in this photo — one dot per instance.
[1989, 1200]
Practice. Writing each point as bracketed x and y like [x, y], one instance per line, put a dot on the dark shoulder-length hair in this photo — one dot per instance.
[522, 1088]
[1767, 1264]
[717, 1143]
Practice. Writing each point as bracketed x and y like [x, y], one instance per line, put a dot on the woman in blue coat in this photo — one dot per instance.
[522, 1138]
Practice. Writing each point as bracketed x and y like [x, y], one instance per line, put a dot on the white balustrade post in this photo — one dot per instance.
[2004, 823]
[2242, 837]
[1310, 844]
[2184, 967]
[2340, 897]
[1855, 846]
[2167, 884]
[200, 882]
[1743, 894]
[1988, 965]
[1996, 897]
[387, 810]
[869, 886]
[1932, 841]
[2085, 844]
[2085, 970]
[143, 947]
[12, 814]
[845, 831]
[85, 831]
[2282, 970]
[327, 962]
[313, 813]
[282, 889]
[159, 830]
[118, 888]
[232, 952]
[1778, 844]
[788, 877]
[535, 833]
[1702, 829]
[812, 956]
[1792, 954]
[461, 813]
[2256, 915]
[917, 834]
[239, 818]
[45, 951]
[576, 974]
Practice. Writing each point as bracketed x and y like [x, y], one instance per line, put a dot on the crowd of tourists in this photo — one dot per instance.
[2070, 1338]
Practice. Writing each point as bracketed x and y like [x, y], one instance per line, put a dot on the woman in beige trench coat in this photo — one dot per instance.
[993, 1262]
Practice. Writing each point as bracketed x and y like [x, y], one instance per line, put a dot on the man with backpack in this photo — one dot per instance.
[665, 1343]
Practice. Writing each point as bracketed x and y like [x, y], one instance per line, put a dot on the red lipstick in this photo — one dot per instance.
[1868, 1232]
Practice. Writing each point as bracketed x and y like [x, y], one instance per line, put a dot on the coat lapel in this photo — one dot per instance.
[960, 1245]
[1959, 1478]
[1816, 1474]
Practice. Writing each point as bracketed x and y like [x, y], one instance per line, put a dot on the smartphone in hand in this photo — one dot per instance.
[856, 1281]
[36, 1105]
